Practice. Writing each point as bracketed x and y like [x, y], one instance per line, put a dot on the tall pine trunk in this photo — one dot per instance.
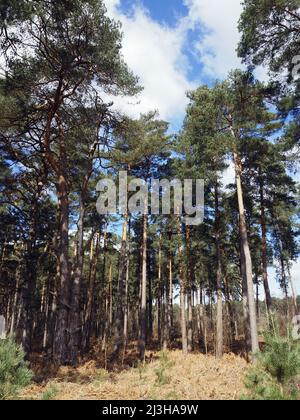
[74, 324]
[170, 318]
[61, 339]
[182, 293]
[219, 332]
[143, 313]
[119, 321]
[126, 314]
[264, 248]
[231, 313]
[189, 292]
[160, 302]
[294, 294]
[31, 260]
[87, 331]
[245, 251]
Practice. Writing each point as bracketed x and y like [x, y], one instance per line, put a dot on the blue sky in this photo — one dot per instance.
[163, 11]
[173, 46]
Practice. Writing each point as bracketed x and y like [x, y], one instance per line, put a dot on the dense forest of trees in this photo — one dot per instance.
[70, 277]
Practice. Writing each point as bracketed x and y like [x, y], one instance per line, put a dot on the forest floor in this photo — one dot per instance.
[174, 377]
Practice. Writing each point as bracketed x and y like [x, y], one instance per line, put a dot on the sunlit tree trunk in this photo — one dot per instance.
[170, 321]
[219, 332]
[264, 248]
[143, 320]
[245, 251]
[294, 294]
[189, 292]
[126, 314]
[61, 337]
[74, 323]
[119, 321]
[94, 254]
[182, 293]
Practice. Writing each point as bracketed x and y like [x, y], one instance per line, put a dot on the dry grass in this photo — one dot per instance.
[195, 377]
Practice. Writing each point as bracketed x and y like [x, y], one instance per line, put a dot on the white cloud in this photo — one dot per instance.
[217, 47]
[157, 53]
[154, 53]
[111, 6]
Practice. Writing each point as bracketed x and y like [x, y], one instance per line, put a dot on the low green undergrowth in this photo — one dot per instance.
[14, 371]
[276, 373]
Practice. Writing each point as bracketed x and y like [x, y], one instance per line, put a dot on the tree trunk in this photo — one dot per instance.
[170, 320]
[246, 318]
[245, 251]
[61, 334]
[119, 321]
[94, 254]
[183, 319]
[257, 299]
[54, 307]
[168, 307]
[166, 342]
[189, 292]
[199, 316]
[294, 294]
[190, 321]
[126, 315]
[149, 330]
[231, 313]
[182, 294]
[31, 260]
[219, 333]
[16, 302]
[74, 324]
[264, 248]
[160, 301]
[159, 318]
[47, 300]
[143, 321]
[109, 309]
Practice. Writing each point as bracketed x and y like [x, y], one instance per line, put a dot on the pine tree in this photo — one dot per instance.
[270, 33]
[74, 62]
